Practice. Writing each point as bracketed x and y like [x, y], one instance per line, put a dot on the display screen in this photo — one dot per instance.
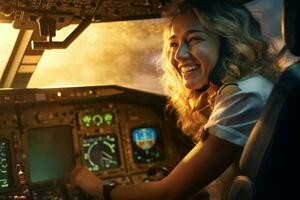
[146, 145]
[101, 152]
[50, 152]
[4, 164]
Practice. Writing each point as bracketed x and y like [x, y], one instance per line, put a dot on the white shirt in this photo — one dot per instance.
[237, 108]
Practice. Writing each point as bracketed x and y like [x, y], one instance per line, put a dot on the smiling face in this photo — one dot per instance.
[194, 50]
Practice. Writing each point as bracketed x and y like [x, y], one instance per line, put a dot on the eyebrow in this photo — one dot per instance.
[188, 33]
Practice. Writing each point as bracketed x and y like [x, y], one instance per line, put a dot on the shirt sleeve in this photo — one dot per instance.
[234, 115]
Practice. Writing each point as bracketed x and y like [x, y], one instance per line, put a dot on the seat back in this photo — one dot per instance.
[269, 163]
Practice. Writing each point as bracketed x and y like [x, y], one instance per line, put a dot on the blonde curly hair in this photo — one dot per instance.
[247, 53]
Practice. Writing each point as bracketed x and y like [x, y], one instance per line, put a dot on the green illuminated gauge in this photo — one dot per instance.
[108, 118]
[101, 152]
[87, 119]
[97, 119]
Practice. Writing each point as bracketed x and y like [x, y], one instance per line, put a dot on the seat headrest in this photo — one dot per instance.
[291, 29]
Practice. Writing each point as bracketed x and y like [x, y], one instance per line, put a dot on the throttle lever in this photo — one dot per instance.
[22, 181]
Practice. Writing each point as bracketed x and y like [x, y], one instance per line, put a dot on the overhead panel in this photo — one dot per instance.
[102, 10]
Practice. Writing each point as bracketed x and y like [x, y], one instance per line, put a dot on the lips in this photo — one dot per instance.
[187, 68]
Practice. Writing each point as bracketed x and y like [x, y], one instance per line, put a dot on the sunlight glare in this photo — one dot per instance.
[115, 53]
[7, 40]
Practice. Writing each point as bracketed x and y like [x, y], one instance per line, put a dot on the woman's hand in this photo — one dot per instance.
[81, 177]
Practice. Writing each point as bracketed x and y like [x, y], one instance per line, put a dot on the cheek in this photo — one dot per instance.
[173, 61]
[207, 59]
[214, 58]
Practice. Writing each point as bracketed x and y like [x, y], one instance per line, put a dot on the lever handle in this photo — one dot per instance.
[22, 181]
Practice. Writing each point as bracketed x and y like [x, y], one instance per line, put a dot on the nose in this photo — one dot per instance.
[182, 52]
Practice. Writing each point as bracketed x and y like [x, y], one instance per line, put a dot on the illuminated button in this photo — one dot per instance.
[147, 180]
[108, 117]
[98, 119]
[87, 119]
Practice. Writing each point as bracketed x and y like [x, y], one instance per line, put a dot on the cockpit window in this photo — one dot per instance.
[7, 39]
[115, 53]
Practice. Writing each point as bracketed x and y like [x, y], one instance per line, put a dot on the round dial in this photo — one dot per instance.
[101, 152]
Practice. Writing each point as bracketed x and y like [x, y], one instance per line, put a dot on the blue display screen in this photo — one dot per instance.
[144, 138]
[146, 145]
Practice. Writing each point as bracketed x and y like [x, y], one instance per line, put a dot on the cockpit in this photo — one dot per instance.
[79, 86]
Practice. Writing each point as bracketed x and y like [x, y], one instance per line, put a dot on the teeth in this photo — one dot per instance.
[188, 68]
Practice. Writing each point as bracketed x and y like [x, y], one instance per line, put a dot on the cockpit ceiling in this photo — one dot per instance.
[102, 10]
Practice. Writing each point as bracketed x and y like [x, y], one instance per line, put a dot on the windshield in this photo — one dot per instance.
[118, 53]
[7, 40]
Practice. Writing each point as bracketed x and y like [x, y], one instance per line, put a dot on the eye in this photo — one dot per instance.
[173, 45]
[195, 39]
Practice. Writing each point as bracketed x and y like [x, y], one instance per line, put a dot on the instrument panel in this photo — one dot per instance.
[118, 133]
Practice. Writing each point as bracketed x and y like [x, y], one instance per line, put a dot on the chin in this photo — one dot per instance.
[195, 82]
[193, 86]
